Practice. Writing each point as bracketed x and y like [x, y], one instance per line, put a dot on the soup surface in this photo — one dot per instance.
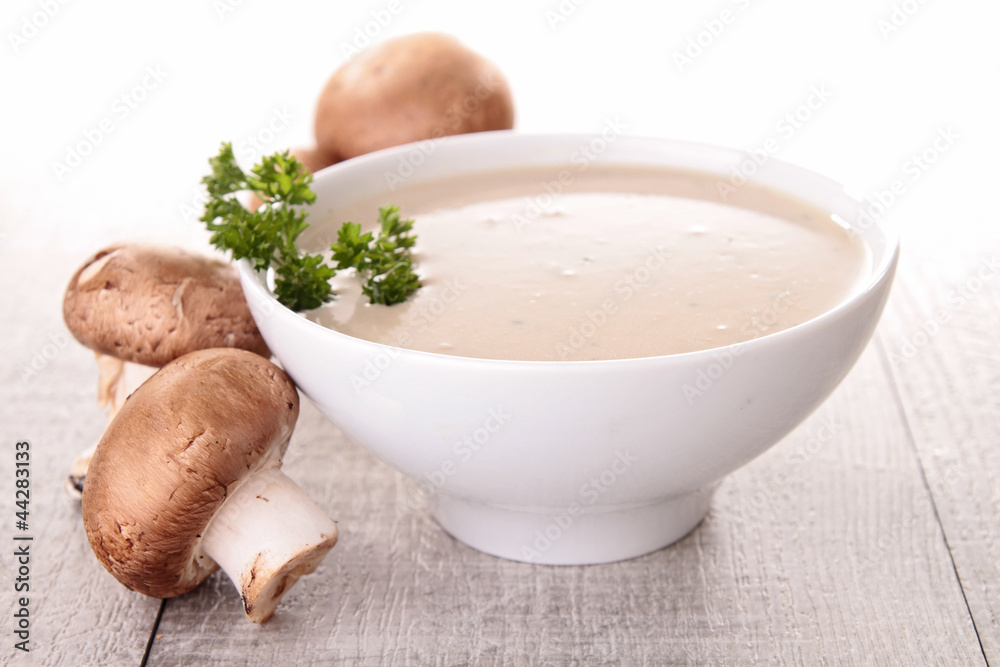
[560, 264]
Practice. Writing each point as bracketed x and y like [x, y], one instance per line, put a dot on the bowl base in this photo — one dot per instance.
[577, 535]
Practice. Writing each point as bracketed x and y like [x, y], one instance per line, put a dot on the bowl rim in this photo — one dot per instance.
[879, 272]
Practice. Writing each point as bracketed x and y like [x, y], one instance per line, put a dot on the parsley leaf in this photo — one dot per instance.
[267, 237]
[383, 262]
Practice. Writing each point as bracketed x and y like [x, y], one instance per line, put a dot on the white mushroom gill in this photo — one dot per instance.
[266, 535]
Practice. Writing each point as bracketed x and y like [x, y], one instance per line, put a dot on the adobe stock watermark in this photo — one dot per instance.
[254, 146]
[463, 451]
[379, 19]
[899, 15]
[785, 128]
[820, 437]
[419, 317]
[885, 539]
[875, 206]
[248, 150]
[590, 492]
[557, 15]
[223, 8]
[54, 344]
[582, 157]
[709, 32]
[725, 358]
[408, 163]
[910, 345]
[123, 106]
[623, 290]
[33, 24]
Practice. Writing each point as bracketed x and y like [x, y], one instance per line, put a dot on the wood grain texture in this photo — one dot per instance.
[824, 551]
[79, 614]
[942, 342]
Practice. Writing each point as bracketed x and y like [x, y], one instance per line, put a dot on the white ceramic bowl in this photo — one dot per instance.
[572, 462]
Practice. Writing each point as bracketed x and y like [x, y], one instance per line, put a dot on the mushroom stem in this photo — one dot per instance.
[266, 535]
[116, 381]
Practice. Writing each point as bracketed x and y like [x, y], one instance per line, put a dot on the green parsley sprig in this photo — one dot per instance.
[382, 261]
[267, 237]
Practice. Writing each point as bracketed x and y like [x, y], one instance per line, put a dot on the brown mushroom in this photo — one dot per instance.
[187, 479]
[313, 159]
[140, 306]
[412, 88]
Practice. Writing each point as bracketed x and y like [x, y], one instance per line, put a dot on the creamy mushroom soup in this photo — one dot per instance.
[602, 263]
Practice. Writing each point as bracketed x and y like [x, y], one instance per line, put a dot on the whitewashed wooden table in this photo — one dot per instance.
[868, 536]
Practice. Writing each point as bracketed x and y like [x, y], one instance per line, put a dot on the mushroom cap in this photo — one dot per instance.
[411, 88]
[149, 304]
[182, 442]
[312, 158]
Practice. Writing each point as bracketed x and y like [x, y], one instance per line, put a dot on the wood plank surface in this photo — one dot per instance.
[824, 551]
[942, 340]
[79, 615]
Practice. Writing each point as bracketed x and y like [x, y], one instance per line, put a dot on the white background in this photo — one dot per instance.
[896, 73]
[892, 89]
